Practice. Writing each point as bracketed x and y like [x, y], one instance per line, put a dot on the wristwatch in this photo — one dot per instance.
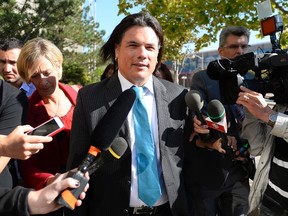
[272, 119]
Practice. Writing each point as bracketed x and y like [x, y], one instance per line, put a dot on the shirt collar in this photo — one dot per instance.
[125, 84]
[29, 88]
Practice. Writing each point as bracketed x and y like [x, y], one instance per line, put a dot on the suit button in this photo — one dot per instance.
[126, 212]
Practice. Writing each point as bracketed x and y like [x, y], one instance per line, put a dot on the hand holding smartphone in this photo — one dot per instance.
[48, 128]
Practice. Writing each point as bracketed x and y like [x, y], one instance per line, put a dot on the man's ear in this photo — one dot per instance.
[220, 51]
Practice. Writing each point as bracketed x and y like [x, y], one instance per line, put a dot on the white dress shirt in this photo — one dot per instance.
[150, 104]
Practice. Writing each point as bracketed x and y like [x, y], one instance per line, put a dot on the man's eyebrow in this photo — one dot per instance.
[132, 42]
[145, 44]
[8, 60]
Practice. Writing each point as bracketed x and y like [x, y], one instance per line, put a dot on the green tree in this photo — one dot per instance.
[65, 22]
[198, 22]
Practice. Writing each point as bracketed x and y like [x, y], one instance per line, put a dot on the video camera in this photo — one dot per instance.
[271, 71]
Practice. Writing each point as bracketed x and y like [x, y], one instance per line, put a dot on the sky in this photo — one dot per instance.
[106, 16]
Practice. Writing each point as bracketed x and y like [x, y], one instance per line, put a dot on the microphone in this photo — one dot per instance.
[216, 116]
[68, 197]
[195, 103]
[102, 136]
[116, 151]
[216, 120]
[101, 139]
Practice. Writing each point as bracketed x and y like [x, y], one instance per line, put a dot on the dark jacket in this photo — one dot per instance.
[109, 187]
[13, 104]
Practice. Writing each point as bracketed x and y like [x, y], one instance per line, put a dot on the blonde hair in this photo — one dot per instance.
[34, 50]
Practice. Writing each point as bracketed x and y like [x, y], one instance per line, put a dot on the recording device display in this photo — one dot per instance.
[271, 71]
[216, 114]
[69, 197]
[48, 128]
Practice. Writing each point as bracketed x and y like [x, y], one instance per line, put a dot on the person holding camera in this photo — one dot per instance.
[218, 183]
[267, 132]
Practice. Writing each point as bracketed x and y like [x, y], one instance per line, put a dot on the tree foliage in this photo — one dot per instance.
[65, 22]
[198, 22]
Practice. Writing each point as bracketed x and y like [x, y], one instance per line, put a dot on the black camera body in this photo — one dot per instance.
[271, 71]
[229, 73]
[275, 79]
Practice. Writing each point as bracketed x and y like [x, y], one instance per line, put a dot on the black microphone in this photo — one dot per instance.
[68, 197]
[116, 151]
[102, 137]
[195, 103]
[109, 126]
[216, 110]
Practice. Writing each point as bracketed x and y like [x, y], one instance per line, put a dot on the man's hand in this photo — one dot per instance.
[255, 103]
[215, 145]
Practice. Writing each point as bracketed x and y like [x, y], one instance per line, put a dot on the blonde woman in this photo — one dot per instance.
[40, 62]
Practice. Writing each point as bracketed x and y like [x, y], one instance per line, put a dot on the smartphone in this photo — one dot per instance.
[48, 128]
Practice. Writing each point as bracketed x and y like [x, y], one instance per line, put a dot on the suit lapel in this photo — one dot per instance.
[113, 91]
[162, 109]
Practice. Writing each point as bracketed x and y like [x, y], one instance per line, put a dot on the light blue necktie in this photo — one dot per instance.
[149, 189]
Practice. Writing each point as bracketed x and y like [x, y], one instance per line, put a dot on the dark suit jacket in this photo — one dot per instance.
[109, 190]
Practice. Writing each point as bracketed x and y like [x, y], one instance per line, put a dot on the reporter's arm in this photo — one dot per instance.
[256, 119]
[14, 202]
[255, 103]
[24, 202]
